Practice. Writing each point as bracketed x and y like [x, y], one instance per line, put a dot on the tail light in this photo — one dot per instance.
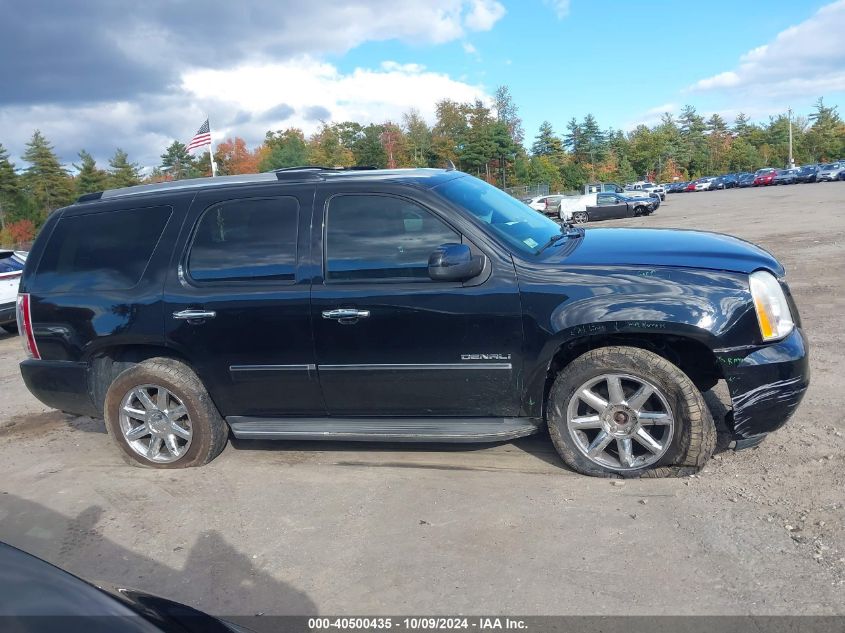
[25, 326]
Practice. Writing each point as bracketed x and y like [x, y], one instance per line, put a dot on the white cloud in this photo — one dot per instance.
[483, 14]
[245, 101]
[560, 7]
[469, 49]
[250, 65]
[364, 95]
[808, 58]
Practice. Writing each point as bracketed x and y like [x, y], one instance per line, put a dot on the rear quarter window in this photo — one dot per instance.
[100, 251]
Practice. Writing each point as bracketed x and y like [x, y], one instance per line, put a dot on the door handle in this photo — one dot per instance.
[194, 315]
[345, 314]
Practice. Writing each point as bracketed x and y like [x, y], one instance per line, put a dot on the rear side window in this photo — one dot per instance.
[246, 240]
[101, 251]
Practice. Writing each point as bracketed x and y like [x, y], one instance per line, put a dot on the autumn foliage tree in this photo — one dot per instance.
[234, 157]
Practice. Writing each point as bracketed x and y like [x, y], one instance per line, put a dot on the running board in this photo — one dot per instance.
[384, 429]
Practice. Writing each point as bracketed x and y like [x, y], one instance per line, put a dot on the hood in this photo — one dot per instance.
[670, 247]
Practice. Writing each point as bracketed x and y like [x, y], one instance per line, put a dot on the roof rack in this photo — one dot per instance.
[304, 172]
[289, 173]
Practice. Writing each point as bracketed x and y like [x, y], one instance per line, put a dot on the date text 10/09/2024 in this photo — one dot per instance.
[417, 624]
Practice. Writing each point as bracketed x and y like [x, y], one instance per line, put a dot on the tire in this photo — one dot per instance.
[687, 441]
[207, 431]
[638, 211]
[580, 217]
[11, 328]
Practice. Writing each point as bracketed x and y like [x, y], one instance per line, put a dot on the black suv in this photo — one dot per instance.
[404, 305]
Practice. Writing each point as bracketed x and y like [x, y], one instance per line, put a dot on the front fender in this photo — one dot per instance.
[565, 307]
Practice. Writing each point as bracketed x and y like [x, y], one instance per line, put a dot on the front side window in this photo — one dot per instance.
[509, 219]
[246, 240]
[381, 238]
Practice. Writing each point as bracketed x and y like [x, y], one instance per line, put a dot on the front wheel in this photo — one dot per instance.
[628, 412]
[580, 217]
[160, 415]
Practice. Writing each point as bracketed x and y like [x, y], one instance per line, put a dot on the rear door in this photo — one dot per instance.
[407, 345]
[237, 301]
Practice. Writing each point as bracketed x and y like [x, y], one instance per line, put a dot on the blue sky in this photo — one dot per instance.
[253, 65]
[617, 59]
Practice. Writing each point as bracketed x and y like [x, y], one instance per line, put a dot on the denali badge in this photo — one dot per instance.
[485, 356]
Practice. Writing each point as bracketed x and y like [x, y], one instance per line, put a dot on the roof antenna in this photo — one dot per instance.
[450, 166]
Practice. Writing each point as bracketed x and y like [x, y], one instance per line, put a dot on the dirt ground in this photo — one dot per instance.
[306, 528]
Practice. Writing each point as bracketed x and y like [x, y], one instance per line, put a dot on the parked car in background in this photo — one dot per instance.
[548, 204]
[745, 180]
[807, 173]
[11, 268]
[785, 177]
[728, 181]
[764, 177]
[646, 187]
[703, 184]
[609, 206]
[830, 171]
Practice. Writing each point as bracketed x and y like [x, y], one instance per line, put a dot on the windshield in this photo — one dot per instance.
[518, 225]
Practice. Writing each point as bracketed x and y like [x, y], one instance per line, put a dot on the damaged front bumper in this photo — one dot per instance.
[766, 384]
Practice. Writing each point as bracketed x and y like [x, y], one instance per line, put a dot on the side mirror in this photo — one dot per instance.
[454, 262]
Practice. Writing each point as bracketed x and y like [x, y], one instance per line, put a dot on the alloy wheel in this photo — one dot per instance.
[155, 423]
[620, 421]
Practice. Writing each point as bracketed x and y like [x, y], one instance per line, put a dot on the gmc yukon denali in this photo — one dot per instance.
[400, 305]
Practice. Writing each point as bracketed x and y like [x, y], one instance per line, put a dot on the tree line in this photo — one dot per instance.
[486, 140]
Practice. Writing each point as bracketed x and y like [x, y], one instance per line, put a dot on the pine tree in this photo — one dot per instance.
[177, 163]
[742, 124]
[546, 143]
[122, 173]
[594, 138]
[89, 177]
[45, 180]
[10, 190]
[574, 140]
[826, 136]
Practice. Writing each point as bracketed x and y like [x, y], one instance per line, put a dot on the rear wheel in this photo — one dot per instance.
[160, 415]
[628, 412]
[580, 217]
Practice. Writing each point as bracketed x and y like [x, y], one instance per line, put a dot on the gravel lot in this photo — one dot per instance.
[306, 528]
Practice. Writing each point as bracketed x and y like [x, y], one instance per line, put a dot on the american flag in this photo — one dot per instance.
[202, 137]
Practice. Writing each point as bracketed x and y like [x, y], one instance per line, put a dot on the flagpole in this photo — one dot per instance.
[210, 151]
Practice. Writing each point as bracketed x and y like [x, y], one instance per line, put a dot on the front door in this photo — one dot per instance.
[237, 301]
[392, 342]
[608, 206]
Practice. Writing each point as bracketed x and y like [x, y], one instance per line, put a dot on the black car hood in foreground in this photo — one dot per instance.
[669, 247]
[37, 597]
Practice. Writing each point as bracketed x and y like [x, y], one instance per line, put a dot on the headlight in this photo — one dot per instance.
[773, 313]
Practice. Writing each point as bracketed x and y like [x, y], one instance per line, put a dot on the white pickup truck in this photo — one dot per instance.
[571, 205]
[11, 269]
